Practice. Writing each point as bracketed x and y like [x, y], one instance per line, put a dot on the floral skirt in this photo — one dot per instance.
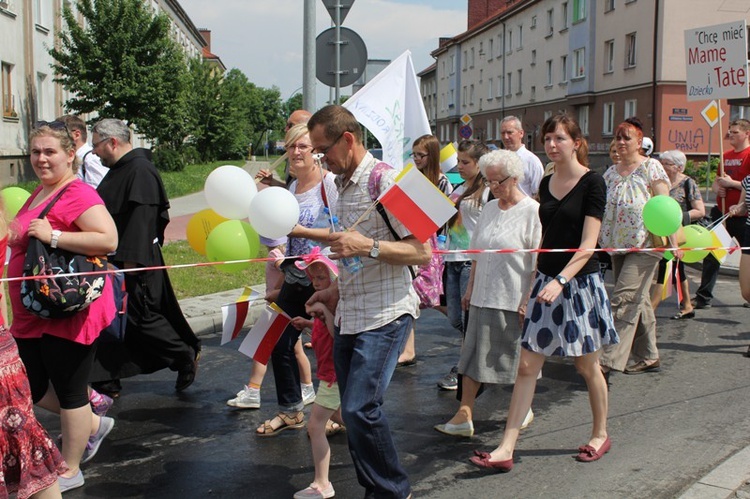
[30, 460]
[577, 323]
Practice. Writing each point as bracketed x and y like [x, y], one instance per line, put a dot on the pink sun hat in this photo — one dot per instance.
[316, 256]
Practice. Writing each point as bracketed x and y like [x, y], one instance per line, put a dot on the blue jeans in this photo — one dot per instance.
[456, 281]
[364, 365]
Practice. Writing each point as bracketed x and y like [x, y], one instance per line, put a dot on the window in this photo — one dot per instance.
[489, 129]
[509, 90]
[481, 75]
[547, 115]
[608, 118]
[463, 97]
[442, 102]
[481, 49]
[609, 56]
[583, 119]
[471, 58]
[520, 37]
[609, 5]
[442, 73]
[579, 10]
[520, 81]
[533, 57]
[630, 108]
[490, 88]
[509, 42]
[550, 22]
[630, 50]
[533, 22]
[9, 110]
[498, 128]
[564, 7]
[499, 92]
[579, 63]
[549, 72]
[564, 69]
[533, 93]
[490, 48]
[452, 98]
[499, 47]
[471, 94]
[453, 63]
[465, 61]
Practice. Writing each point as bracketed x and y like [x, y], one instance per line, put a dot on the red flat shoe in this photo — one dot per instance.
[481, 453]
[587, 454]
[484, 462]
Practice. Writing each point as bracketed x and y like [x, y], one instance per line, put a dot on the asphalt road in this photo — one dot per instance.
[668, 429]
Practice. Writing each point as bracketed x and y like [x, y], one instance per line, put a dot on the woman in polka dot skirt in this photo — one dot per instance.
[568, 313]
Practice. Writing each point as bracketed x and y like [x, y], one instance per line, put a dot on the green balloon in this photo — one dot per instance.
[662, 215]
[668, 255]
[696, 237]
[14, 198]
[232, 240]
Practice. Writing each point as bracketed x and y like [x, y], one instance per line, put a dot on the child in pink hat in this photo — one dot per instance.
[322, 272]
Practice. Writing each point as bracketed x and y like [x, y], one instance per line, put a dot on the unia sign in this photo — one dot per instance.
[716, 59]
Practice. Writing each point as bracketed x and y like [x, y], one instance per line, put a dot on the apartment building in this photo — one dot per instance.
[27, 30]
[600, 61]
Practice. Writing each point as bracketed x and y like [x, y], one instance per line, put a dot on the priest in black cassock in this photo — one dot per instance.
[157, 335]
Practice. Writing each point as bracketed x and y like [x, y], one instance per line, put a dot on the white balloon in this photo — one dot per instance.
[274, 212]
[229, 191]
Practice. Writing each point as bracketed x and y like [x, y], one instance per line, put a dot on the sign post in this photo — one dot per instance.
[712, 113]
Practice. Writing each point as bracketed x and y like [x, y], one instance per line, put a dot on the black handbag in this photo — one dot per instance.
[53, 296]
[115, 332]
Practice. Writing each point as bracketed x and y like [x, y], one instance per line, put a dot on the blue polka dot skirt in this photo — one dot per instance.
[578, 322]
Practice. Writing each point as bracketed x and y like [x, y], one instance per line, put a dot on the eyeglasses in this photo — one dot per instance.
[418, 155]
[55, 125]
[493, 183]
[322, 152]
[96, 144]
[303, 148]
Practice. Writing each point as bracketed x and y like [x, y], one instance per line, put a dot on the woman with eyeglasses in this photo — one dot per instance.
[314, 188]
[426, 156]
[498, 288]
[470, 197]
[58, 353]
[568, 313]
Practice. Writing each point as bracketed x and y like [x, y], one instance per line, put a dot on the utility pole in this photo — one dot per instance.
[308, 57]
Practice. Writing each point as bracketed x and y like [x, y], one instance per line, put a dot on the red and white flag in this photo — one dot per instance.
[262, 338]
[417, 203]
[233, 315]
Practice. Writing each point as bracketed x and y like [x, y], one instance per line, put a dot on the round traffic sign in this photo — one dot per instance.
[465, 131]
[353, 57]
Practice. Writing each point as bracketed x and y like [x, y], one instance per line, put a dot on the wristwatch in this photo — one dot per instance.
[375, 250]
[55, 236]
[561, 279]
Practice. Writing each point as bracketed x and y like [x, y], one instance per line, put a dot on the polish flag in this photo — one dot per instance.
[233, 315]
[262, 338]
[667, 288]
[417, 203]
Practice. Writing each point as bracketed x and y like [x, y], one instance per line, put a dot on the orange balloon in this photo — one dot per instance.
[200, 226]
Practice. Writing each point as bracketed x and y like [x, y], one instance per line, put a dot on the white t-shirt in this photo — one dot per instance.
[533, 171]
[91, 171]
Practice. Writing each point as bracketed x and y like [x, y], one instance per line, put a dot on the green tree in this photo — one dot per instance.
[265, 113]
[122, 63]
[292, 104]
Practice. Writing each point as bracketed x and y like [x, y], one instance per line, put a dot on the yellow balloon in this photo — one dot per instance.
[200, 226]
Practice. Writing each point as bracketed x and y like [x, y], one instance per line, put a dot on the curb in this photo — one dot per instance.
[723, 481]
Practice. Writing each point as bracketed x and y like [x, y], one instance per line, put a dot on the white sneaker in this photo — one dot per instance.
[247, 398]
[528, 419]
[308, 393]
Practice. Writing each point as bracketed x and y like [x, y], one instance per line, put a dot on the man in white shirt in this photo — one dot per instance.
[511, 131]
[91, 171]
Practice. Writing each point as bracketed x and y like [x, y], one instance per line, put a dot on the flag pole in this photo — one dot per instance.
[365, 214]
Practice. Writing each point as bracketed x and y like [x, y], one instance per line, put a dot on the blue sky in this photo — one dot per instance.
[264, 38]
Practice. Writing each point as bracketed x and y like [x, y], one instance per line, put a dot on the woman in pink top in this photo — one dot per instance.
[60, 352]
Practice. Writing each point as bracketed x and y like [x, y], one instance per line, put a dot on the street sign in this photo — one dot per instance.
[353, 57]
[331, 7]
[466, 119]
[712, 113]
[465, 131]
[716, 61]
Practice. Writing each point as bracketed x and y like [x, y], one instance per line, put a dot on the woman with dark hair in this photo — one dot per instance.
[470, 197]
[630, 184]
[426, 155]
[568, 314]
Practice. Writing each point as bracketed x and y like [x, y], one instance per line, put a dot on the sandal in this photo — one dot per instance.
[287, 422]
[332, 428]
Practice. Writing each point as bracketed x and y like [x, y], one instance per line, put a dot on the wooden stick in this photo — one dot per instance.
[278, 161]
[723, 202]
[364, 215]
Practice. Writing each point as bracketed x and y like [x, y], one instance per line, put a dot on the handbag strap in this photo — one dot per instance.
[45, 211]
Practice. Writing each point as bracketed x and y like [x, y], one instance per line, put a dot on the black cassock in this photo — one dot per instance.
[157, 334]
